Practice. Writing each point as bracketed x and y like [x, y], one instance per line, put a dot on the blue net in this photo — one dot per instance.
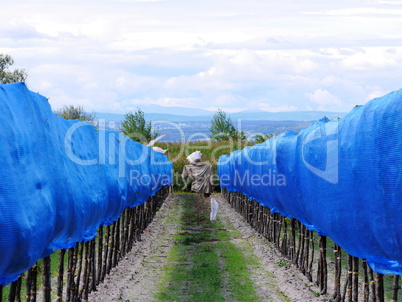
[62, 179]
[342, 178]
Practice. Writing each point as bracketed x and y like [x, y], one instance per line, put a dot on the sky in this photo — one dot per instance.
[289, 55]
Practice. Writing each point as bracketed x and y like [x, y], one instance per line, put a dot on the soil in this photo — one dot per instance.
[137, 276]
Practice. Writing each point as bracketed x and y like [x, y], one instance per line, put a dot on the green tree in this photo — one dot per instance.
[72, 112]
[135, 127]
[222, 128]
[260, 138]
[7, 76]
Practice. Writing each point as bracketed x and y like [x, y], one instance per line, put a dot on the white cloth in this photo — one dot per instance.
[194, 157]
[152, 142]
[214, 209]
[201, 175]
[160, 150]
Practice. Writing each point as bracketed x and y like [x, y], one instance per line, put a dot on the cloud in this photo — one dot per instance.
[324, 99]
[234, 55]
[360, 11]
[395, 2]
[131, 1]
[289, 80]
[373, 59]
[21, 31]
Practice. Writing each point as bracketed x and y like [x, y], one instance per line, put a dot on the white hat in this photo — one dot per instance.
[194, 157]
[160, 150]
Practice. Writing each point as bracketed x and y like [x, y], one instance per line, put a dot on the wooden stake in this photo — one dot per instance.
[13, 291]
[85, 280]
[46, 280]
[372, 285]
[111, 247]
[395, 288]
[306, 255]
[284, 248]
[345, 287]
[310, 269]
[338, 272]
[355, 278]
[28, 282]
[116, 256]
[106, 253]
[379, 282]
[18, 289]
[80, 265]
[125, 233]
[60, 276]
[100, 255]
[366, 288]
[133, 227]
[301, 247]
[93, 274]
[34, 282]
[292, 245]
[350, 277]
[299, 226]
[70, 273]
[279, 218]
[323, 264]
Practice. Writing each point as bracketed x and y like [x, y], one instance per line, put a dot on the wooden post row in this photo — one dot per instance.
[87, 262]
[296, 243]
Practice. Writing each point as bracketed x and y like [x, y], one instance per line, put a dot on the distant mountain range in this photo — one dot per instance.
[160, 113]
[193, 124]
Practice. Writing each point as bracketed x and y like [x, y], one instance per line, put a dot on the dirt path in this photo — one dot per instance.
[143, 274]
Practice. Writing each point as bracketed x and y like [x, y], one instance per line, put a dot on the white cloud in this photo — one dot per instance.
[359, 11]
[324, 99]
[372, 59]
[234, 55]
[395, 2]
[375, 94]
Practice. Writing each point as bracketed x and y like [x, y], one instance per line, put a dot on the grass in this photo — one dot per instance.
[204, 265]
[237, 268]
[193, 269]
[206, 276]
[283, 263]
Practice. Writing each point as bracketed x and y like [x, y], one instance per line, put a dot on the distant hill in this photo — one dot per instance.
[193, 124]
[205, 115]
[302, 116]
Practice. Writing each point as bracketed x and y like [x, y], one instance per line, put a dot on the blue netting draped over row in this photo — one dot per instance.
[342, 178]
[61, 179]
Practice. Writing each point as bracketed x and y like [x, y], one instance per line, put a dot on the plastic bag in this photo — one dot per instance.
[194, 157]
[158, 149]
[214, 209]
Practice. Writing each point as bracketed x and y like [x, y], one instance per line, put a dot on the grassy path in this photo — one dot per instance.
[206, 262]
[180, 260]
